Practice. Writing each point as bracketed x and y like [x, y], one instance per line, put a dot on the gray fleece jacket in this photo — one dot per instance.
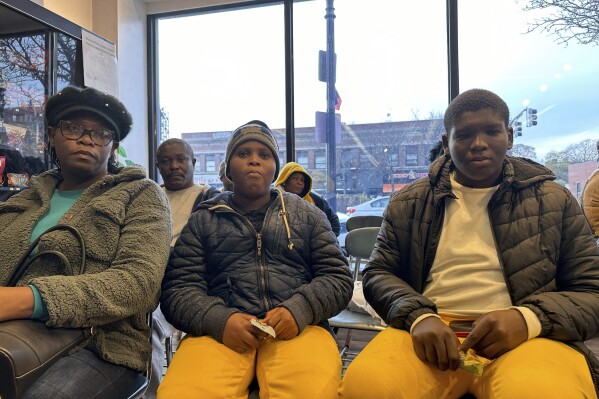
[125, 222]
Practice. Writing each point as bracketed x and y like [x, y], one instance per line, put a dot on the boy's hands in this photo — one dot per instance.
[283, 323]
[435, 343]
[240, 335]
[496, 333]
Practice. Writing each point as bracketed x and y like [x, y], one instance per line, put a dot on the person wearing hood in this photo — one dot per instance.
[295, 179]
[256, 256]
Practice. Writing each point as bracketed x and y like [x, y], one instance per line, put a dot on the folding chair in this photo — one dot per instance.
[357, 222]
[359, 244]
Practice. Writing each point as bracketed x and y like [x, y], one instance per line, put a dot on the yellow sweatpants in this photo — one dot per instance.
[540, 368]
[307, 366]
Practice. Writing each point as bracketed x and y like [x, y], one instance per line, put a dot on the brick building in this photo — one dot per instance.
[578, 174]
[370, 158]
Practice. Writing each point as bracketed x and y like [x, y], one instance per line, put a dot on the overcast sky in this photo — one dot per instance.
[220, 70]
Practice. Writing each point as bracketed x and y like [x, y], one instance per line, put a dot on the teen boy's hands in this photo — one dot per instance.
[283, 322]
[435, 343]
[240, 335]
[496, 333]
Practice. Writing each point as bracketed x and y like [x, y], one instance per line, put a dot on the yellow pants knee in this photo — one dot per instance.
[389, 368]
[307, 366]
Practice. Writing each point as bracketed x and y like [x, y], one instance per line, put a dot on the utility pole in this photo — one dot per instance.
[331, 196]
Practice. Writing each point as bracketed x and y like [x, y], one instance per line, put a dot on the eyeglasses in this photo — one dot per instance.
[70, 131]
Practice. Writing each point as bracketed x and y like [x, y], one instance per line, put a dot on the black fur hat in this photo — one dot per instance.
[72, 100]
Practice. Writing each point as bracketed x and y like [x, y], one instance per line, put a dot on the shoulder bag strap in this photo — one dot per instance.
[26, 260]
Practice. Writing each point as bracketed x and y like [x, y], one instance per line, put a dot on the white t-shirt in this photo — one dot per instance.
[466, 279]
[181, 203]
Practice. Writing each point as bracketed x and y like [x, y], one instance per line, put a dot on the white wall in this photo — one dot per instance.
[133, 75]
[160, 6]
[123, 22]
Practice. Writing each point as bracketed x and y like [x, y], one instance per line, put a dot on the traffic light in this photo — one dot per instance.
[531, 117]
[518, 128]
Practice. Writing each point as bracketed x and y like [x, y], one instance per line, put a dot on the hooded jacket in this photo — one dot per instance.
[221, 265]
[307, 194]
[125, 222]
[589, 201]
[546, 251]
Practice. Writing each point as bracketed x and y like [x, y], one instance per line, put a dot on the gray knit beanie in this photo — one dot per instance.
[252, 131]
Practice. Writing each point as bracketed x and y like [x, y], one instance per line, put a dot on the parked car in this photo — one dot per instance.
[375, 206]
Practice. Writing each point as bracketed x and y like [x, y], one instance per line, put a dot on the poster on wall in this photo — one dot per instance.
[99, 63]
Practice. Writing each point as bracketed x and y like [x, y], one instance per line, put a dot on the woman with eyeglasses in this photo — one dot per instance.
[124, 220]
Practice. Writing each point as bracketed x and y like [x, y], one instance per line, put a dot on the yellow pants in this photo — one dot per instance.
[307, 366]
[540, 368]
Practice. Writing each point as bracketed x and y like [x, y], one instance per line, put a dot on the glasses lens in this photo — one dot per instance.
[70, 131]
[102, 136]
[74, 132]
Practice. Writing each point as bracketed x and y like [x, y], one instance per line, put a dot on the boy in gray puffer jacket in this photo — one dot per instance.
[255, 254]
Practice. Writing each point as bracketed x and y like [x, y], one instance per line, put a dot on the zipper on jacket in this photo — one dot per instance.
[263, 287]
[261, 267]
[259, 243]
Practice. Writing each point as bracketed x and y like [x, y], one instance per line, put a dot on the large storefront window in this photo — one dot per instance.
[391, 91]
[217, 71]
[36, 60]
[551, 87]
[392, 86]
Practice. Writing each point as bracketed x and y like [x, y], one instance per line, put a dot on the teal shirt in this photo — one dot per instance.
[60, 203]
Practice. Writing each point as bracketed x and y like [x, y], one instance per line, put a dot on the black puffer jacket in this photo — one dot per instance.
[221, 265]
[547, 252]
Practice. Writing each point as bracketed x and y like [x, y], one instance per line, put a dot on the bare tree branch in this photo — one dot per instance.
[568, 19]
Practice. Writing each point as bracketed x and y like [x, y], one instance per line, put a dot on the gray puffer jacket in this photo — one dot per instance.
[220, 265]
[546, 249]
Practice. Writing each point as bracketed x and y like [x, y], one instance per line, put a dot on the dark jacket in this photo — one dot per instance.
[220, 265]
[546, 249]
[307, 194]
[125, 222]
[206, 194]
[331, 215]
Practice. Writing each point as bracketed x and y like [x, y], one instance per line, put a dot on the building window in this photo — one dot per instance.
[411, 155]
[302, 158]
[320, 160]
[210, 163]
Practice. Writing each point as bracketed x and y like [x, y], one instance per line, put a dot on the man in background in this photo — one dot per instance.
[176, 163]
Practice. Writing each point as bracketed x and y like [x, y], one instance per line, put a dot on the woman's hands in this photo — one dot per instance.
[16, 303]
